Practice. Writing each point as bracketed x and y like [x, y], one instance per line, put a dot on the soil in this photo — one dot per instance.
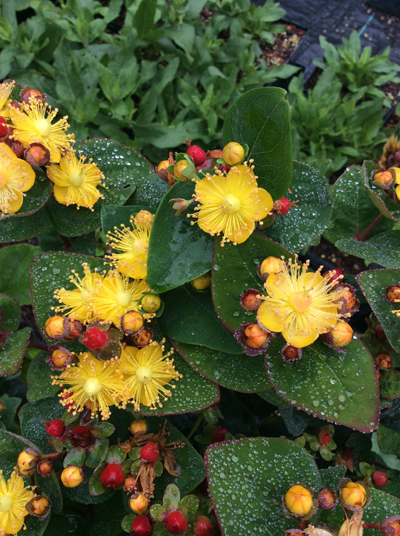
[278, 52]
[328, 253]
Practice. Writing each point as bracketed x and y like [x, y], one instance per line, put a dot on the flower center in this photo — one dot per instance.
[43, 127]
[144, 374]
[230, 204]
[5, 503]
[300, 301]
[92, 386]
[123, 297]
[139, 247]
[3, 180]
[76, 178]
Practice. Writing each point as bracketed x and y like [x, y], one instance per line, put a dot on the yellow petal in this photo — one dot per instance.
[60, 193]
[5, 150]
[266, 315]
[15, 204]
[134, 269]
[30, 180]
[298, 340]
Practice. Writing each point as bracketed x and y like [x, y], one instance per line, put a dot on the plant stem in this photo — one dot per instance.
[53, 455]
[67, 243]
[197, 424]
[38, 345]
[361, 237]
[372, 525]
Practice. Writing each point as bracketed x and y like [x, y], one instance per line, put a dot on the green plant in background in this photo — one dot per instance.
[160, 73]
[357, 70]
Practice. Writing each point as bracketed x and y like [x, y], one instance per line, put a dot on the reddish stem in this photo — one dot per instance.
[38, 345]
[53, 455]
[361, 237]
[67, 243]
[372, 526]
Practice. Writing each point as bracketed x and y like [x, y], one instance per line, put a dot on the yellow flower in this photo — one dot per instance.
[78, 302]
[299, 305]
[116, 296]
[134, 247]
[94, 384]
[75, 183]
[5, 92]
[33, 124]
[16, 176]
[13, 498]
[147, 372]
[231, 204]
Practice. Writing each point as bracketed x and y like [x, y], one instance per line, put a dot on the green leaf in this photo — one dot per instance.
[35, 198]
[12, 313]
[332, 476]
[254, 474]
[121, 166]
[388, 439]
[150, 190]
[389, 385]
[10, 406]
[234, 272]
[329, 384]
[51, 271]
[82, 493]
[260, 119]
[12, 352]
[10, 446]
[171, 497]
[143, 20]
[15, 263]
[32, 417]
[40, 377]
[383, 248]
[76, 456]
[178, 250]
[189, 506]
[382, 505]
[96, 453]
[206, 330]
[23, 228]
[272, 397]
[245, 373]
[102, 429]
[114, 216]
[126, 523]
[387, 206]
[115, 455]
[373, 284]
[305, 223]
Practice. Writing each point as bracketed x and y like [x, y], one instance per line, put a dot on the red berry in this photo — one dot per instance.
[380, 479]
[282, 206]
[219, 434]
[113, 476]
[224, 167]
[333, 274]
[176, 523]
[324, 438]
[95, 338]
[197, 154]
[3, 126]
[203, 526]
[55, 428]
[80, 436]
[150, 452]
[141, 526]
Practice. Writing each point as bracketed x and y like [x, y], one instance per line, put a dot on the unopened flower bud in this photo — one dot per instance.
[353, 494]
[138, 425]
[56, 326]
[72, 476]
[327, 499]
[130, 484]
[390, 526]
[383, 179]
[138, 503]
[60, 358]
[28, 94]
[383, 361]
[75, 330]
[202, 282]
[270, 265]
[233, 153]
[345, 299]
[132, 322]
[290, 353]
[393, 293]
[250, 300]
[37, 155]
[179, 168]
[324, 438]
[340, 336]
[298, 500]
[27, 461]
[39, 506]
[17, 148]
[150, 302]
[45, 468]
[197, 154]
[143, 338]
[180, 205]
[164, 164]
[144, 218]
[254, 336]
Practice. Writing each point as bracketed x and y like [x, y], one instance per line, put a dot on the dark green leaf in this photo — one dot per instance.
[32, 417]
[12, 352]
[22, 228]
[387, 206]
[234, 272]
[260, 119]
[112, 216]
[373, 283]
[382, 505]
[332, 476]
[115, 455]
[82, 492]
[272, 397]
[103, 429]
[389, 386]
[150, 190]
[126, 523]
[388, 439]
[255, 474]
[383, 248]
[96, 453]
[206, 330]
[121, 167]
[15, 262]
[9, 410]
[306, 222]
[76, 456]
[39, 378]
[329, 384]
[245, 373]
[178, 250]
[143, 20]
[12, 313]
[36, 197]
